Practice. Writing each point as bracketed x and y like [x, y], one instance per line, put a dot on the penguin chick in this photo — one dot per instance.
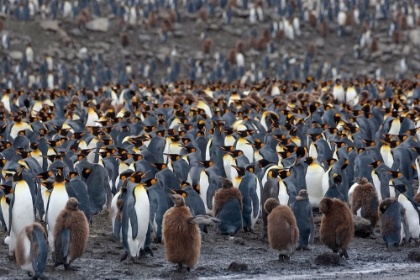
[337, 228]
[366, 197]
[394, 226]
[71, 234]
[228, 207]
[32, 250]
[302, 210]
[181, 235]
[125, 40]
[282, 229]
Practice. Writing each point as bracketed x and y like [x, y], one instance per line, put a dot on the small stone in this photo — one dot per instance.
[238, 241]
[50, 25]
[320, 42]
[362, 227]
[414, 255]
[237, 267]
[16, 55]
[327, 259]
[99, 24]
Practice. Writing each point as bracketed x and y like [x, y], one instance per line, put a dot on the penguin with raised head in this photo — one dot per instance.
[32, 250]
[394, 225]
[247, 184]
[181, 235]
[228, 208]
[302, 209]
[135, 218]
[337, 230]
[71, 233]
[365, 197]
[282, 229]
[57, 201]
[313, 178]
[193, 201]
[412, 211]
[334, 190]
[21, 210]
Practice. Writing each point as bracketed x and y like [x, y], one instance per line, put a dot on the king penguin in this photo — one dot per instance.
[21, 210]
[313, 178]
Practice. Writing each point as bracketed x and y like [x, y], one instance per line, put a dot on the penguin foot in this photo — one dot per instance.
[71, 268]
[11, 257]
[179, 268]
[157, 240]
[124, 257]
[263, 236]
[144, 252]
[134, 260]
[344, 253]
[284, 258]
[303, 248]
[188, 268]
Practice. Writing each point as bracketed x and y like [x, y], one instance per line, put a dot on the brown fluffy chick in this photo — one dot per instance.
[71, 233]
[206, 45]
[282, 230]
[181, 234]
[365, 197]
[125, 41]
[337, 229]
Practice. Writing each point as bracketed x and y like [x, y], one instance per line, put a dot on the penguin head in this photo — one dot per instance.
[44, 175]
[72, 204]
[325, 205]
[303, 195]
[173, 157]
[149, 182]
[395, 174]
[182, 193]
[401, 188]
[206, 163]
[270, 204]
[375, 164]
[309, 160]
[159, 166]
[6, 188]
[226, 183]
[178, 200]
[241, 170]
[386, 203]
[337, 179]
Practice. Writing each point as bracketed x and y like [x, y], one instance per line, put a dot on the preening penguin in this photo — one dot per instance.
[365, 197]
[71, 233]
[181, 235]
[228, 208]
[337, 228]
[32, 250]
[302, 210]
[282, 229]
[394, 226]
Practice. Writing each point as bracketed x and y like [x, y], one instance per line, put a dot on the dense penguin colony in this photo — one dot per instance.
[164, 159]
[290, 40]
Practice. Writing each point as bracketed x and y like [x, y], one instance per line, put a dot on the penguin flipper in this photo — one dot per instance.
[203, 219]
[62, 247]
[255, 203]
[133, 220]
[312, 227]
[117, 228]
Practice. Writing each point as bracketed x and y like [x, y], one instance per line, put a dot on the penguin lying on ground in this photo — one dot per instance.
[181, 235]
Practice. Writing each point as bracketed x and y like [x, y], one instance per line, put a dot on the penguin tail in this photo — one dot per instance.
[203, 219]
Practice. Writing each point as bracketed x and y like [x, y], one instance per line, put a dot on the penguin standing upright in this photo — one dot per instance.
[337, 230]
[365, 197]
[247, 184]
[302, 209]
[228, 208]
[57, 202]
[135, 219]
[412, 211]
[71, 233]
[21, 210]
[32, 250]
[313, 177]
[181, 235]
[394, 225]
[282, 230]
